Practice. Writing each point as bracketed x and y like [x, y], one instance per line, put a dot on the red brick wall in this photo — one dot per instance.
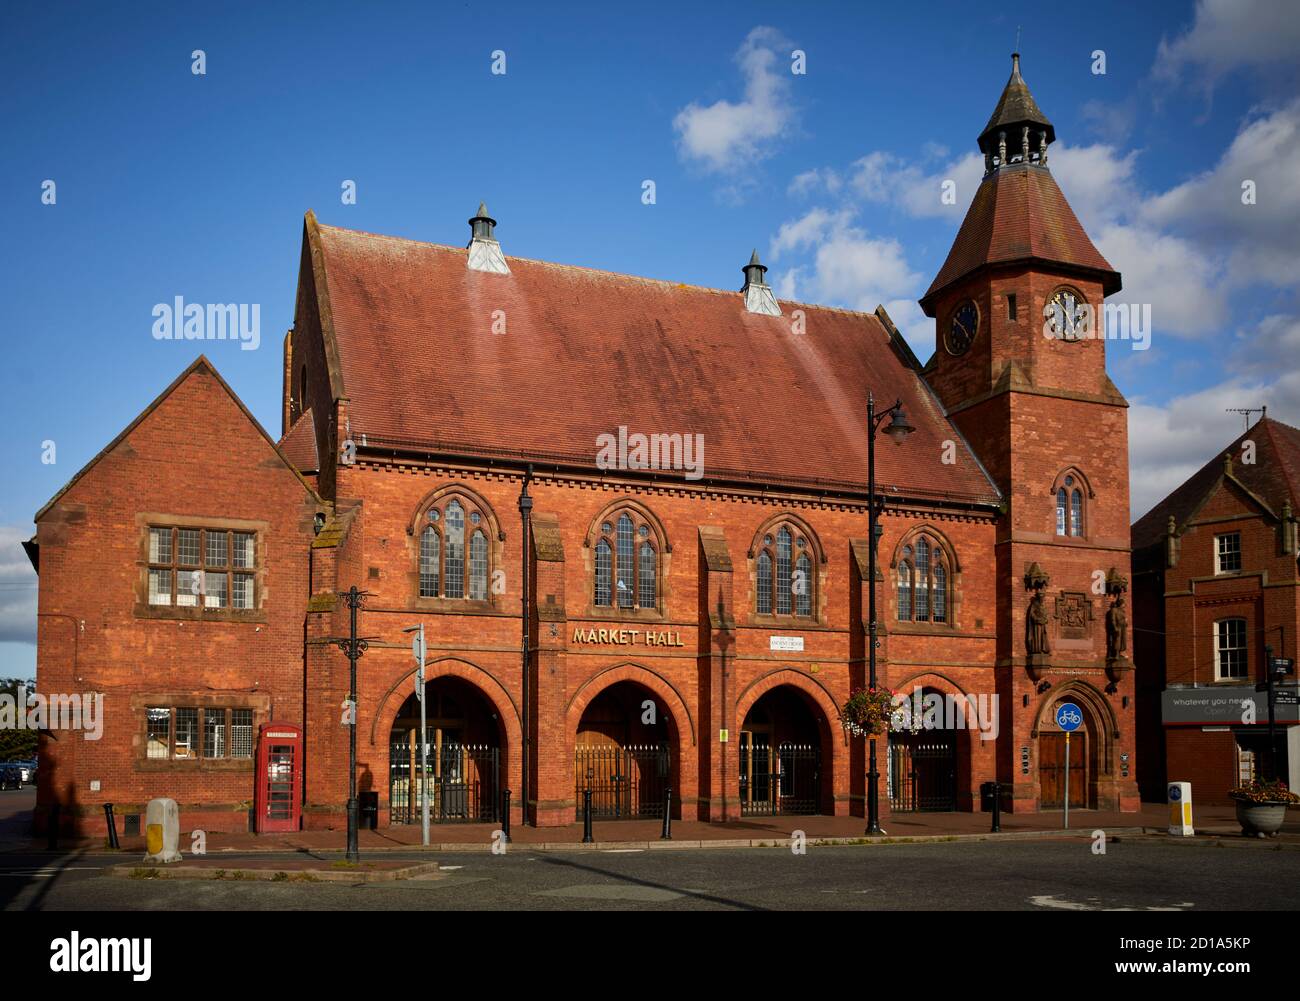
[198, 457]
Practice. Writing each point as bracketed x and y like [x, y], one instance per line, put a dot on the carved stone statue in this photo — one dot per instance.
[1036, 642]
[1116, 630]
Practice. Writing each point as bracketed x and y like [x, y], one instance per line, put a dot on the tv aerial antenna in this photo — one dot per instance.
[1246, 412]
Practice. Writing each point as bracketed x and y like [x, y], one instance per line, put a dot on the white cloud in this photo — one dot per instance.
[17, 586]
[1230, 34]
[850, 268]
[1262, 240]
[886, 178]
[727, 135]
[817, 179]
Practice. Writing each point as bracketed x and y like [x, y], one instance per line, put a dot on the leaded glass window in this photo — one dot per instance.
[627, 563]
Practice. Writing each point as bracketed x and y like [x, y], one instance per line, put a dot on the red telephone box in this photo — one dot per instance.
[278, 797]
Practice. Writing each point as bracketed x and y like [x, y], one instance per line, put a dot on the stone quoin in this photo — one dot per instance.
[694, 633]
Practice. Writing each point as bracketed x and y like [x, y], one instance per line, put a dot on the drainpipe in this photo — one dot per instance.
[525, 517]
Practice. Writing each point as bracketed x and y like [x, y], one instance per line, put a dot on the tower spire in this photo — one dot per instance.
[1018, 131]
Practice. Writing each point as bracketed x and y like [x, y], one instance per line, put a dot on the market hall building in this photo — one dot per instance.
[687, 574]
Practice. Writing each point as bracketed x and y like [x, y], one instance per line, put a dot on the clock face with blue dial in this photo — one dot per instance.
[962, 329]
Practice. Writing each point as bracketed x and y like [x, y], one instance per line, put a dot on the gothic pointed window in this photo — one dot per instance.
[764, 583]
[627, 563]
[430, 559]
[783, 572]
[905, 586]
[450, 566]
[924, 582]
[604, 573]
[1071, 499]
[802, 576]
[478, 572]
[646, 576]
[783, 579]
[921, 591]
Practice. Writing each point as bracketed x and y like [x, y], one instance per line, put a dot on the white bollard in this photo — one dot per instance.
[162, 832]
[1180, 809]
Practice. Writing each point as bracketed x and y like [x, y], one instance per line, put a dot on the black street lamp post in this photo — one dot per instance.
[354, 647]
[898, 430]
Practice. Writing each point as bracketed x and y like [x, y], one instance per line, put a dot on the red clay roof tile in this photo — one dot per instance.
[586, 351]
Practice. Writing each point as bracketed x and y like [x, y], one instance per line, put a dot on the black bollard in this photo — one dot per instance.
[586, 817]
[667, 834]
[505, 814]
[52, 827]
[997, 809]
[112, 826]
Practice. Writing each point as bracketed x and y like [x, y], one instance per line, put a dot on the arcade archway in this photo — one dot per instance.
[465, 756]
[625, 753]
[782, 749]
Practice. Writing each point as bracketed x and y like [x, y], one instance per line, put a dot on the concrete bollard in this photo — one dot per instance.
[162, 831]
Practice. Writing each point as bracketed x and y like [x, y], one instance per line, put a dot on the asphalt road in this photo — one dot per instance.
[1056, 875]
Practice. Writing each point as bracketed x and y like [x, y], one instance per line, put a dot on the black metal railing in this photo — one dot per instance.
[922, 776]
[463, 783]
[781, 779]
[625, 782]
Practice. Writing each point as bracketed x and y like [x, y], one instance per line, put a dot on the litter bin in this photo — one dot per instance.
[370, 810]
[1003, 794]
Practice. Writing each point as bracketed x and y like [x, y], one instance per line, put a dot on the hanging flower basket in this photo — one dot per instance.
[868, 712]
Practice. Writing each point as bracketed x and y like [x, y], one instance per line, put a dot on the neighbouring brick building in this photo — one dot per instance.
[694, 623]
[1215, 584]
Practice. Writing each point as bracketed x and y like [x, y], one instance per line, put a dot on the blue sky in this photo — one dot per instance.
[170, 183]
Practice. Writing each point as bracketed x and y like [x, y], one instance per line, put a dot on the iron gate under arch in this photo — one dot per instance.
[923, 773]
[780, 779]
[626, 782]
[463, 782]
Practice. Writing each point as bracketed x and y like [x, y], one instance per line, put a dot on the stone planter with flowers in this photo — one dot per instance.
[1261, 806]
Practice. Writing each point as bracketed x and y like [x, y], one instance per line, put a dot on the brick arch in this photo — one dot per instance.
[957, 689]
[1093, 700]
[453, 667]
[662, 542]
[495, 531]
[643, 676]
[814, 690]
[775, 521]
[934, 533]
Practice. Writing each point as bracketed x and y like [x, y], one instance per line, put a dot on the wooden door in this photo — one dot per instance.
[1051, 770]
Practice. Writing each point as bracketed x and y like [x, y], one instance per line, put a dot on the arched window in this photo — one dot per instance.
[454, 551]
[923, 581]
[764, 583]
[784, 578]
[627, 563]
[1069, 507]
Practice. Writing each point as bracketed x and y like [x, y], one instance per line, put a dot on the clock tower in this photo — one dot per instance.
[1020, 367]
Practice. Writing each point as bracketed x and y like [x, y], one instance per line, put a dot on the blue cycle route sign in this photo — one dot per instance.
[1068, 717]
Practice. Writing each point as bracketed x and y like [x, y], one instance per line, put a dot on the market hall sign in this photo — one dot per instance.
[627, 637]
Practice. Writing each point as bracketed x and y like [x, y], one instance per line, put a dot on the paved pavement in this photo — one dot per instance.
[15, 820]
[1047, 875]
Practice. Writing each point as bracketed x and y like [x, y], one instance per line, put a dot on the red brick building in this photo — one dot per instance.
[1215, 585]
[692, 574]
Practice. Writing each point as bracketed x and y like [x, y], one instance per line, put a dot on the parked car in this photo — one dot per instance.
[28, 768]
[11, 776]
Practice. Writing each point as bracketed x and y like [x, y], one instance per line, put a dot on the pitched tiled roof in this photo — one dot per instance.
[1274, 477]
[1019, 214]
[299, 445]
[584, 352]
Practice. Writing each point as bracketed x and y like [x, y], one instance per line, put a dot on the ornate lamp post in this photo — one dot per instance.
[898, 430]
[354, 647]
